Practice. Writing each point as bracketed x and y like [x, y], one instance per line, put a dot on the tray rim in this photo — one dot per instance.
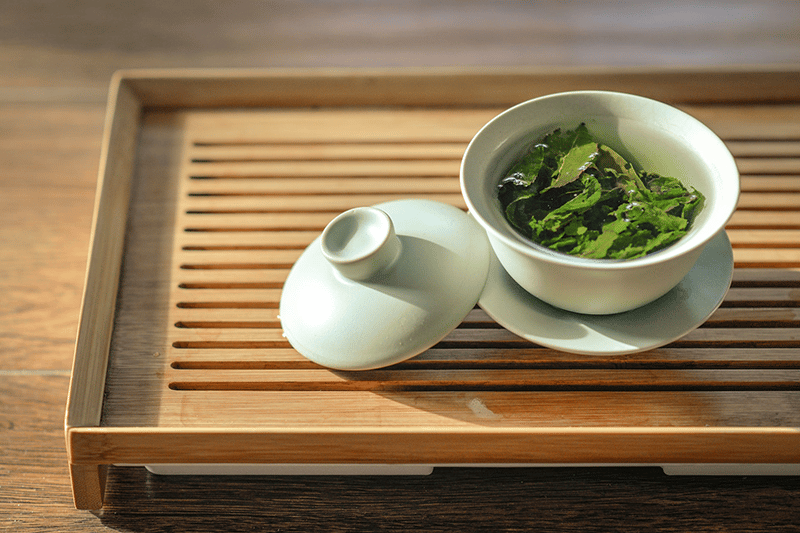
[683, 444]
[243, 87]
[132, 92]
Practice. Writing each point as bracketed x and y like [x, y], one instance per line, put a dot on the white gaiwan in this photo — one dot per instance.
[384, 283]
[656, 138]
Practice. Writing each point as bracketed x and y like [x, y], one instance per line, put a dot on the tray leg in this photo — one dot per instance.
[88, 485]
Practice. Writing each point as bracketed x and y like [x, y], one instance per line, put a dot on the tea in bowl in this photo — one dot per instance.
[613, 147]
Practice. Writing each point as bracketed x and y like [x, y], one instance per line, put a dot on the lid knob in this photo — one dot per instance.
[361, 242]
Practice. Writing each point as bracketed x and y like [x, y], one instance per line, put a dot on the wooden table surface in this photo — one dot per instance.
[56, 60]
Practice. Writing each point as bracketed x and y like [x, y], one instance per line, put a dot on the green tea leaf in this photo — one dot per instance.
[580, 156]
[575, 163]
[609, 160]
[577, 205]
[577, 196]
[526, 171]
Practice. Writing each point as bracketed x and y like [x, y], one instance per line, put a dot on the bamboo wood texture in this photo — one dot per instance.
[105, 258]
[222, 201]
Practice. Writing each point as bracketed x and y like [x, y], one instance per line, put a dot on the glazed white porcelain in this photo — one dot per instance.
[655, 137]
[360, 243]
[681, 310]
[384, 283]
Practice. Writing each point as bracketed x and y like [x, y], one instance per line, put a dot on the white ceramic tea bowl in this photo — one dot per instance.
[656, 138]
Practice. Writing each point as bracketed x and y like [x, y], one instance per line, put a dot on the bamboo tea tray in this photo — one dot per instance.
[213, 182]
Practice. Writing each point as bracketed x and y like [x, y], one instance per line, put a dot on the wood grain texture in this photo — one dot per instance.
[33, 474]
[105, 260]
[64, 50]
[427, 87]
[189, 382]
[47, 183]
[56, 62]
[552, 499]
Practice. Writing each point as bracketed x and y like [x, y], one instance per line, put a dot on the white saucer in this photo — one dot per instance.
[670, 317]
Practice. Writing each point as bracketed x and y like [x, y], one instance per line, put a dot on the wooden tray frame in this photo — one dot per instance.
[93, 446]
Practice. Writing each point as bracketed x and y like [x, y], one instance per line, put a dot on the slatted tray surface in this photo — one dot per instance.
[224, 201]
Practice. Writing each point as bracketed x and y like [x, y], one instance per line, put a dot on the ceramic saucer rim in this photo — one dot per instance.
[602, 333]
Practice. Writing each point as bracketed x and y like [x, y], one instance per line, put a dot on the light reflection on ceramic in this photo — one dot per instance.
[672, 316]
[383, 284]
[655, 137]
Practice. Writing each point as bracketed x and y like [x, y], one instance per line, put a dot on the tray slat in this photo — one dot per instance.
[223, 201]
[226, 262]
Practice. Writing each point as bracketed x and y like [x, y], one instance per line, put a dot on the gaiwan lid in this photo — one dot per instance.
[384, 283]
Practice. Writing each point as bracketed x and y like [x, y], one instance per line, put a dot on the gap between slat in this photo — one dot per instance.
[335, 142]
[788, 322]
[236, 266]
[490, 344]
[295, 193]
[455, 386]
[476, 364]
[241, 247]
[227, 305]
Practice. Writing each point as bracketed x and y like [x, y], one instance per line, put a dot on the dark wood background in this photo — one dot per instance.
[56, 59]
